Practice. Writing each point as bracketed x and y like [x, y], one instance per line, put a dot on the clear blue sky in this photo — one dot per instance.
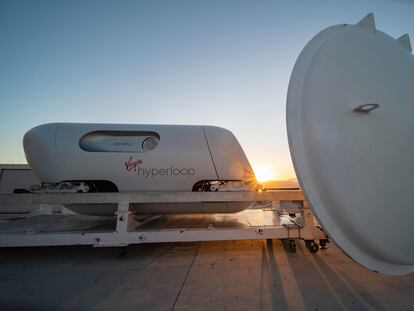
[224, 63]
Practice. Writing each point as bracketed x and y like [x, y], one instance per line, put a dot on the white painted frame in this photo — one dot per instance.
[123, 235]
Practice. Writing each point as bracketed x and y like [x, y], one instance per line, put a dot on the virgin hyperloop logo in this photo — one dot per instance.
[134, 165]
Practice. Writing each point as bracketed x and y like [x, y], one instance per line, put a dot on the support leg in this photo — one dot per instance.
[122, 217]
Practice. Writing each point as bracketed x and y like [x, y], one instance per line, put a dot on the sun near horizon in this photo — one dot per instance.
[264, 173]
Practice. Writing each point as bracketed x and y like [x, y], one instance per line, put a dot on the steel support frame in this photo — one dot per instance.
[127, 232]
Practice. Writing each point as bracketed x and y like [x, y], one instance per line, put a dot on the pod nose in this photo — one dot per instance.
[38, 138]
[41, 153]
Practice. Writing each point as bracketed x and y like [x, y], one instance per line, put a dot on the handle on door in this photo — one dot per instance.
[366, 108]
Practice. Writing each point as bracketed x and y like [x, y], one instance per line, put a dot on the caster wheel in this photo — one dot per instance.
[322, 243]
[292, 246]
[312, 246]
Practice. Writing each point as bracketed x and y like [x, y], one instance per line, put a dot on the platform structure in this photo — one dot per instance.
[126, 229]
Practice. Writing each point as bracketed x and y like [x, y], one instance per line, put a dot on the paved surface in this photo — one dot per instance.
[236, 275]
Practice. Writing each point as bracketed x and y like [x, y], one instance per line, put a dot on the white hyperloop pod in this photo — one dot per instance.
[120, 157]
[350, 119]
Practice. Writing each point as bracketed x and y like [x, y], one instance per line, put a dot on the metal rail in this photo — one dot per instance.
[150, 197]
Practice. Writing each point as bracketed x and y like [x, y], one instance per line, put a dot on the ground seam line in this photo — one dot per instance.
[186, 276]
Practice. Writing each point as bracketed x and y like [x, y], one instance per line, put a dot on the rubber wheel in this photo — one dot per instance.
[292, 246]
[322, 243]
[312, 246]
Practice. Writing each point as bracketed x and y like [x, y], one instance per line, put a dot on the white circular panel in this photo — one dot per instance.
[150, 143]
[350, 119]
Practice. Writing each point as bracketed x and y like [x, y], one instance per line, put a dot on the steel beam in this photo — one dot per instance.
[150, 197]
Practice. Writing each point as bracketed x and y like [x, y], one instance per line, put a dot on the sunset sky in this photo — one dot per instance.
[224, 63]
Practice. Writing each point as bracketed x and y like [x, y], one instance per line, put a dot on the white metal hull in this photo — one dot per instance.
[181, 156]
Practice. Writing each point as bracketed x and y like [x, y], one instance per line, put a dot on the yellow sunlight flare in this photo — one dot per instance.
[264, 173]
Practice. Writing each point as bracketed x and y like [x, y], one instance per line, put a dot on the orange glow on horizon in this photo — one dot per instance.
[264, 173]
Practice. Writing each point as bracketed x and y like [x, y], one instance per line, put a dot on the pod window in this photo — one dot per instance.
[119, 141]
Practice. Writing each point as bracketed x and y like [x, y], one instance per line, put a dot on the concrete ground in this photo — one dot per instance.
[234, 275]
